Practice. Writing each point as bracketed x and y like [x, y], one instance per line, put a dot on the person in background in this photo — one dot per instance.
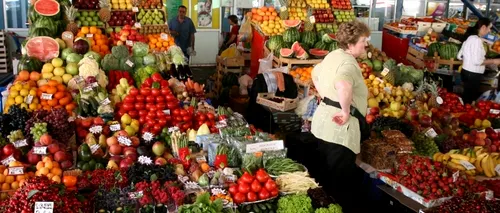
[473, 55]
[183, 30]
[232, 37]
[339, 121]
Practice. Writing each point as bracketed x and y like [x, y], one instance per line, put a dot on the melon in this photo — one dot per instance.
[42, 47]
[286, 52]
[328, 38]
[300, 53]
[291, 23]
[318, 53]
[46, 7]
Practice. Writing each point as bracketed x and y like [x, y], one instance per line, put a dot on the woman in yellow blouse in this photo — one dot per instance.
[341, 86]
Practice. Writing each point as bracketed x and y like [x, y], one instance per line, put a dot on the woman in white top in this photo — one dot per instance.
[473, 55]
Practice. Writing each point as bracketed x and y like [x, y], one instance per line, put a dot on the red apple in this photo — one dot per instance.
[8, 149]
[60, 156]
[53, 148]
[117, 159]
[66, 164]
[33, 158]
[132, 156]
[160, 161]
[129, 150]
[479, 142]
[126, 163]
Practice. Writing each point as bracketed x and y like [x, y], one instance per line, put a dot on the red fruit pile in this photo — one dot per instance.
[154, 193]
[468, 203]
[205, 118]
[42, 189]
[452, 101]
[83, 126]
[126, 34]
[253, 188]
[103, 178]
[493, 185]
[432, 179]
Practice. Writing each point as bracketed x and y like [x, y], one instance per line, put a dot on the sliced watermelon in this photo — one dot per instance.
[300, 53]
[328, 38]
[318, 53]
[46, 7]
[286, 52]
[42, 47]
[291, 23]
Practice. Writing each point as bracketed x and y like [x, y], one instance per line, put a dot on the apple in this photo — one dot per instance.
[66, 164]
[160, 161]
[132, 156]
[487, 141]
[8, 149]
[129, 150]
[479, 142]
[116, 158]
[60, 156]
[126, 163]
[158, 148]
[33, 158]
[493, 148]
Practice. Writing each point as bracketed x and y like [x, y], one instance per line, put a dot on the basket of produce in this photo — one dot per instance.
[277, 103]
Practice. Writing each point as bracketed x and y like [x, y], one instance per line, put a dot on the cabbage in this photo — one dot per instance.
[66, 52]
[149, 59]
[73, 58]
[93, 55]
[138, 60]
[140, 49]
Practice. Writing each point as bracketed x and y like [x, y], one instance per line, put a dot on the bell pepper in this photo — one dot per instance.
[220, 161]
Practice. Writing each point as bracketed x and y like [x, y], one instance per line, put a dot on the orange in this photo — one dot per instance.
[52, 83]
[14, 185]
[52, 102]
[9, 179]
[44, 171]
[96, 48]
[263, 9]
[6, 172]
[5, 186]
[21, 183]
[59, 95]
[46, 159]
[254, 10]
[38, 174]
[20, 177]
[55, 164]
[61, 88]
[4, 196]
[50, 175]
[49, 165]
[2, 178]
[23, 75]
[2, 167]
[271, 9]
[56, 179]
[85, 30]
[43, 88]
[56, 171]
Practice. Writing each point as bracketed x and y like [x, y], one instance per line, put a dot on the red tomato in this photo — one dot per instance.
[160, 113]
[156, 77]
[172, 105]
[140, 98]
[129, 99]
[233, 189]
[247, 178]
[183, 112]
[139, 106]
[157, 128]
[162, 121]
[270, 185]
[161, 106]
[151, 122]
[150, 99]
[240, 181]
[261, 176]
[274, 193]
[256, 187]
[170, 98]
[176, 112]
[168, 118]
[145, 91]
[152, 114]
[186, 118]
[244, 188]
[200, 123]
[164, 84]
[263, 194]
[210, 116]
[121, 113]
[128, 106]
[202, 117]
[186, 126]
[155, 92]
[251, 196]
[151, 107]
[165, 91]
[160, 99]
[178, 118]
[133, 92]
[134, 114]
[239, 198]
[143, 113]
[142, 120]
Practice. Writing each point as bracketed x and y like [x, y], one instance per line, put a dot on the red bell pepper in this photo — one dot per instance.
[220, 161]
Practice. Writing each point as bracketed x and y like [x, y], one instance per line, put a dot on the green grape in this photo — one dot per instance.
[38, 130]
[15, 136]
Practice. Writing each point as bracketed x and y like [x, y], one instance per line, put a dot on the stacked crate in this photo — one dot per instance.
[5, 64]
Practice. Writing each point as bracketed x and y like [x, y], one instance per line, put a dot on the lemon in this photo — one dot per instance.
[14, 93]
[59, 71]
[19, 99]
[35, 101]
[10, 101]
[26, 86]
[33, 92]
[33, 106]
[18, 86]
[24, 105]
[486, 123]
[48, 75]
[47, 67]
[24, 92]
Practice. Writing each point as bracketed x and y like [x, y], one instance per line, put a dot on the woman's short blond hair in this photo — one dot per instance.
[350, 32]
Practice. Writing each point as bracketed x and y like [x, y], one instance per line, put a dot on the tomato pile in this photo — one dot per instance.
[432, 179]
[205, 118]
[253, 188]
[452, 101]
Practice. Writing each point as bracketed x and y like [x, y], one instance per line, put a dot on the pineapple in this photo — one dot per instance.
[308, 26]
[390, 78]
[104, 12]
[284, 9]
[433, 89]
[421, 94]
[71, 14]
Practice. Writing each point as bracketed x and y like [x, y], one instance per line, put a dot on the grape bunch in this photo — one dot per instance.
[37, 117]
[15, 136]
[38, 130]
[19, 117]
[59, 126]
[424, 145]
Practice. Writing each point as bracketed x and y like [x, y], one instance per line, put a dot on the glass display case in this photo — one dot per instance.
[375, 13]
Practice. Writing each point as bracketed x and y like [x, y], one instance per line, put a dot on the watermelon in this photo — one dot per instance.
[377, 65]
[42, 47]
[275, 43]
[291, 23]
[328, 38]
[286, 52]
[320, 45]
[368, 63]
[300, 53]
[47, 7]
[333, 46]
[291, 35]
[47, 22]
[318, 53]
[35, 32]
[448, 51]
[287, 44]
[305, 46]
[433, 48]
[29, 64]
[309, 38]
[323, 32]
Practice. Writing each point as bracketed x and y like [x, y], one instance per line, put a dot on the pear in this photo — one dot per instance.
[112, 165]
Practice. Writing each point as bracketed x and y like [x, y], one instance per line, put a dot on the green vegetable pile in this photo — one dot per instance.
[203, 205]
[278, 166]
[295, 204]
[332, 208]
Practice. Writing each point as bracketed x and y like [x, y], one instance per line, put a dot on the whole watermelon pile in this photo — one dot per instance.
[433, 48]
[333, 46]
[275, 43]
[321, 45]
[51, 26]
[291, 35]
[448, 51]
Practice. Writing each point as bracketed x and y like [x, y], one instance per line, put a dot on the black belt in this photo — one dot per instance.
[363, 125]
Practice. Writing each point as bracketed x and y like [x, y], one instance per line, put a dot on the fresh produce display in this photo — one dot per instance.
[253, 188]
[122, 18]
[88, 18]
[302, 73]
[150, 17]
[268, 20]
[341, 4]
[323, 16]
[344, 16]
[467, 202]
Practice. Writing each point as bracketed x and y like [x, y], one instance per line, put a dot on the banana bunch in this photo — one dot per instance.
[483, 162]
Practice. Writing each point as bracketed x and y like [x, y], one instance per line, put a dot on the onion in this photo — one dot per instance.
[81, 46]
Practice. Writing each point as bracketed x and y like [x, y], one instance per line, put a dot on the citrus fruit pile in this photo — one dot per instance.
[98, 41]
[49, 168]
[156, 42]
[23, 93]
[54, 95]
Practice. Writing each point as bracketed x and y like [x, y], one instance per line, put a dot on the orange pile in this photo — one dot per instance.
[98, 41]
[10, 183]
[302, 73]
[159, 44]
[60, 96]
[49, 168]
[263, 14]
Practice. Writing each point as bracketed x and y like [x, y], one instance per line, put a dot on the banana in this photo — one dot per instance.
[485, 163]
[477, 164]
[471, 172]
[477, 148]
[459, 156]
[440, 157]
[436, 155]
[465, 151]
[492, 166]
[472, 160]
[453, 165]
[446, 157]
[454, 151]
[480, 151]
[457, 161]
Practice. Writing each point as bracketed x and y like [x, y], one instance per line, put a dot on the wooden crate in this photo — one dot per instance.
[452, 64]
[416, 57]
[290, 62]
[285, 105]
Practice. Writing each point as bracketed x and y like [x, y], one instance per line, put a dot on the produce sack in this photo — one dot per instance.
[490, 95]
[266, 64]
[245, 33]
[230, 52]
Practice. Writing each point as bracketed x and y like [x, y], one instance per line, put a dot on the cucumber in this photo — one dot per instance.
[261, 206]
[248, 208]
[269, 206]
[256, 209]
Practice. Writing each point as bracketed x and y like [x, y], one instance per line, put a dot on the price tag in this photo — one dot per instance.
[173, 129]
[96, 129]
[106, 101]
[385, 71]
[20, 143]
[230, 178]
[461, 101]
[265, 146]
[68, 35]
[489, 195]
[129, 63]
[8, 160]
[455, 176]
[71, 119]
[137, 25]
[380, 80]
[283, 8]
[87, 89]
[164, 36]
[401, 25]
[44, 207]
[115, 127]
[135, 9]
[201, 159]
[79, 79]
[497, 169]
[387, 90]
[28, 99]
[148, 136]
[94, 148]
[167, 112]
[46, 96]
[94, 85]
[312, 19]
[124, 141]
[431, 133]
[494, 111]
[90, 35]
[439, 100]
[18, 170]
[129, 43]
[467, 165]
[40, 150]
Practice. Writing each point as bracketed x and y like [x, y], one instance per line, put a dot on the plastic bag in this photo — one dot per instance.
[245, 33]
[266, 64]
[302, 105]
[273, 154]
[252, 161]
[230, 52]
